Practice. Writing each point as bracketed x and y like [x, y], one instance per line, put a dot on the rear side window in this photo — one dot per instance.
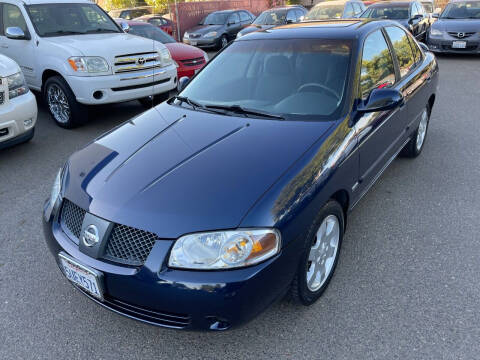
[291, 16]
[244, 16]
[417, 53]
[349, 11]
[377, 64]
[234, 18]
[403, 50]
[12, 17]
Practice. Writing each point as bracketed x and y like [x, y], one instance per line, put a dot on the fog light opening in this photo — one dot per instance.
[98, 95]
[217, 324]
[27, 123]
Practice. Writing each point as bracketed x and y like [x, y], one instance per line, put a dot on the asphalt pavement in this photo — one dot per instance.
[407, 285]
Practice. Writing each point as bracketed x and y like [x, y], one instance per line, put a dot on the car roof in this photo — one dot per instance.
[334, 29]
[35, 2]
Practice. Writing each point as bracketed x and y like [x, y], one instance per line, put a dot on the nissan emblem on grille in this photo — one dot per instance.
[90, 236]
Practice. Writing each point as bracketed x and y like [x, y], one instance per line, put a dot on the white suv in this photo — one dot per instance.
[77, 55]
[18, 107]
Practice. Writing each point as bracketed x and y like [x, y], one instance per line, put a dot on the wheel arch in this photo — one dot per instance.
[431, 102]
[48, 73]
[343, 198]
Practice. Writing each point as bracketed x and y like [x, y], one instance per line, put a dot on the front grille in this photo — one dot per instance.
[125, 245]
[194, 36]
[460, 35]
[136, 62]
[71, 219]
[129, 245]
[193, 62]
[139, 86]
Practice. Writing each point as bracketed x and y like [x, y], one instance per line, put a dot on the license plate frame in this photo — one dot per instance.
[459, 44]
[193, 43]
[83, 276]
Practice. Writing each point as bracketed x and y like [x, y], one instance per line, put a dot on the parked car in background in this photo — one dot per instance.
[202, 212]
[335, 10]
[76, 55]
[159, 21]
[408, 13]
[274, 17]
[457, 29]
[18, 107]
[218, 28]
[131, 13]
[189, 59]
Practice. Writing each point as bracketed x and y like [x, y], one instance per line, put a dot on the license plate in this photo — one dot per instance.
[459, 44]
[4, 132]
[83, 276]
[194, 43]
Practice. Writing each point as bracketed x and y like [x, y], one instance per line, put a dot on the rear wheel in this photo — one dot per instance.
[320, 256]
[150, 101]
[415, 145]
[62, 104]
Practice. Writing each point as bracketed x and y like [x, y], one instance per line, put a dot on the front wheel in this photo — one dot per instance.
[320, 256]
[62, 104]
[415, 145]
[223, 41]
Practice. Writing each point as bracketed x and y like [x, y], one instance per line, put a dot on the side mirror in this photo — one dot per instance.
[125, 27]
[15, 33]
[301, 18]
[381, 100]
[435, 15]
[423, 46]
[182, 83]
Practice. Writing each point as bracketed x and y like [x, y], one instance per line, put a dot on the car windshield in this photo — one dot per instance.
[271, 17]
[151, 32]
[428, 7]
[387, 12]
[70, 19]
[303, 79]
[325, 11]
[462, 10]
[215, 19]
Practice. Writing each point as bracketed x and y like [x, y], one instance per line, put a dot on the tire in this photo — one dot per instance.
[150, 101]
[223, 42]
[415, 146]
[307, 287]
[62, 104]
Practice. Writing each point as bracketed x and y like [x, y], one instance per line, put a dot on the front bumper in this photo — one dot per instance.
[189, 71]
[183, 299]
[444, 43]
[17, 119]
[202, 42]
[122, 87]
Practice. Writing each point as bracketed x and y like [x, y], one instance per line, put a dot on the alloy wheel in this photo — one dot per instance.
[224, 41]
[422, 130]
[58, 104]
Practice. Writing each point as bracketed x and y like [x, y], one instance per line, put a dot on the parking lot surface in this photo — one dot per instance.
[406, 287]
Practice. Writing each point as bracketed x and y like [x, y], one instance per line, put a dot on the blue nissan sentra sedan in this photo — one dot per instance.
[201, 212]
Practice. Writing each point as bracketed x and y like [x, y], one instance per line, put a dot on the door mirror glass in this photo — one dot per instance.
[125, 27]
[15, 33]
[182, 83]
[381, 100]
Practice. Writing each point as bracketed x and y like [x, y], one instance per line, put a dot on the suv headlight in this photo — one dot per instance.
[16, 85]
[435, 32]
[210, 34]
[90, 64]
[55, 199]
[165, 57]
[224, 249]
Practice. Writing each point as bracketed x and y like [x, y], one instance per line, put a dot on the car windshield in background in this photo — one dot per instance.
[297, 80]
[428, 7]
[70, 19]
[387, 12]
[325, 11]
[273, 17]
[215, 19]
[151, 32]
[462, 10]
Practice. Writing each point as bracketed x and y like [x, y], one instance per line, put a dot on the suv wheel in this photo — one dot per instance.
[61, 102]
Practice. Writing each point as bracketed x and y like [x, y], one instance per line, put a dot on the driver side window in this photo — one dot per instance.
[377, 64]
[12, 17]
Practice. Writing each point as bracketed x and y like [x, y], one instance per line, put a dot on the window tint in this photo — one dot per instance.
[234, 18]
[349, 11]
[417, 53]
[244, 16]
[356, 8]
[291, 16]
[377, 64]
[12, 17]
[298, 14]
[402, 49]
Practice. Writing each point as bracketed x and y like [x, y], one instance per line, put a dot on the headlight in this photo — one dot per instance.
[435, 32]
[205, 56]
[90, 64]
[224, 249]
[239, 35]
[210, 34]
[165, 57]
[55, 198]
[186, 35]
[16, 85]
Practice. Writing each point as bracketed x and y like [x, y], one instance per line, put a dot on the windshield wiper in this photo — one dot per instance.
[102, 30]
[63, 32]
[195, 105]
[237, 109]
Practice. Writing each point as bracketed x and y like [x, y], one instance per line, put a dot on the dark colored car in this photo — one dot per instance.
[275, 17]
[129, 14]
[218, 28]
[189, 59]
[410, 14]
[159, 21]
[336, 10]
[206, 209]
[457, 29]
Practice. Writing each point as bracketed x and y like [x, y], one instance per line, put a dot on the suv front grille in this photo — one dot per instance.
[193, 62]
[136, 62]
[125, 245]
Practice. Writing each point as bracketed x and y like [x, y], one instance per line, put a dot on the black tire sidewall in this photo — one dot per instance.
[410, 150]
[303, 293]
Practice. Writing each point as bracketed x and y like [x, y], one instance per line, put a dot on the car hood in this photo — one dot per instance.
[105, 45]
[252, 28]
[173, 171]
[7, 66]
[181, 51]
[203, 29]
[465, 25]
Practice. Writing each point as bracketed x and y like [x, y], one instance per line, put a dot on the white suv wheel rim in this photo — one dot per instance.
[58, 104]
[323, 253]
